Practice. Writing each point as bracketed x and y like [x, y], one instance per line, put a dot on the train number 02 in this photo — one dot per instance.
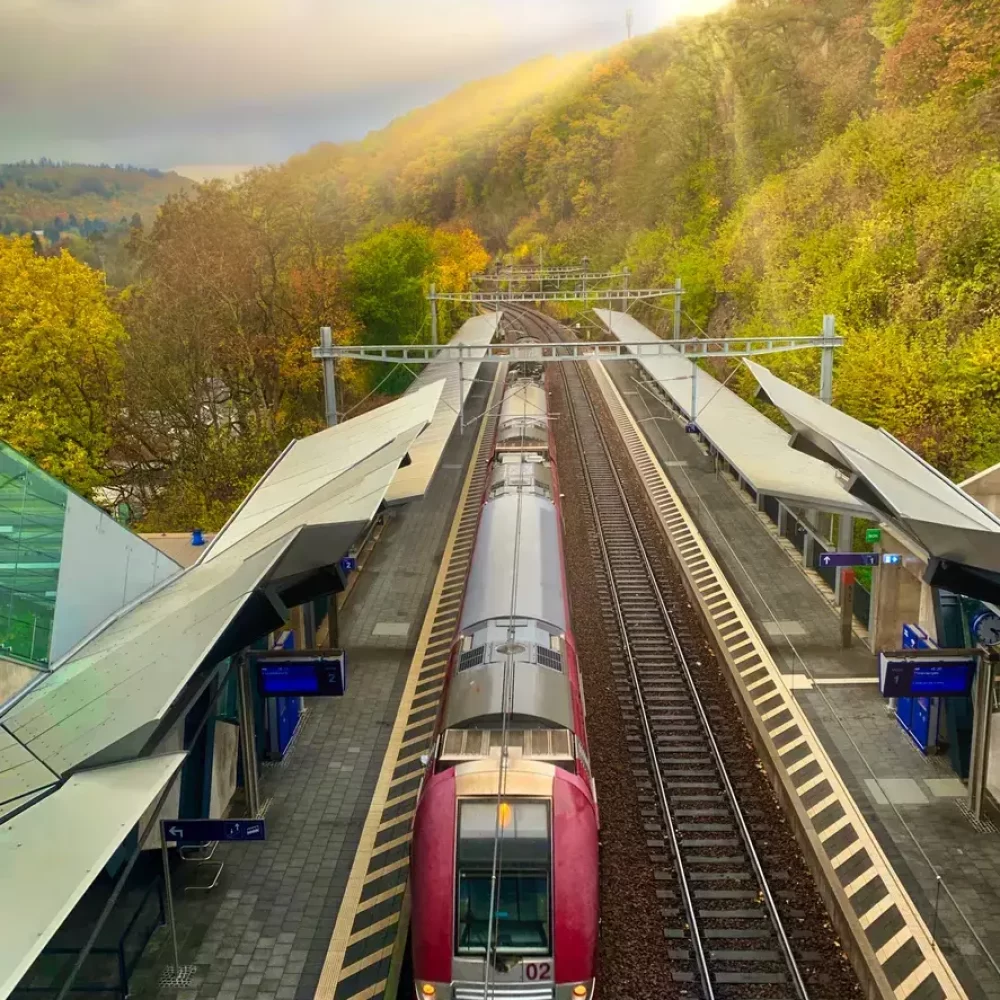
[538, 970]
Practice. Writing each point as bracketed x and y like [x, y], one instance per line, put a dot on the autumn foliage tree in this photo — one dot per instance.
[219, 373]
[60, 367]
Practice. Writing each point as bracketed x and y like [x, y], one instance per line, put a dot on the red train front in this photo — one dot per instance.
[504, 866]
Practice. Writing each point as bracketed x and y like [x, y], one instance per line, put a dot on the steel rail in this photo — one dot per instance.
[768, 895]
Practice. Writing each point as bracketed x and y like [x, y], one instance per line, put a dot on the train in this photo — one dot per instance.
[504, 885]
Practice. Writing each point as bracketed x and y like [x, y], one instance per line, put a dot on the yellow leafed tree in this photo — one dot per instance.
[60, 371]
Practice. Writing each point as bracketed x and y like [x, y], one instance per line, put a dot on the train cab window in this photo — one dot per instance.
[522, 894]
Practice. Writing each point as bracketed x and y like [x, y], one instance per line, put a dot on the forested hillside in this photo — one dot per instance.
[785, 158]
[56, 197]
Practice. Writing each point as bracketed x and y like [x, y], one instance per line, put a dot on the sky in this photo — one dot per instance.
[187, 82]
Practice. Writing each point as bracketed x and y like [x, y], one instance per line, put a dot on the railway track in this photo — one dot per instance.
[726, 937]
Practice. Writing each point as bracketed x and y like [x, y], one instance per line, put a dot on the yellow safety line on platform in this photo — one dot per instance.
[380, 872]
[880, 867]
[363, 963]
[333, 966]
[390, 844]
[370, 991]
[386, 823]
[379, 925]
[367, 904]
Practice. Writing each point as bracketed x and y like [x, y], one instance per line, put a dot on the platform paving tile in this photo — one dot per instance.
[263, 932]
[897, 788]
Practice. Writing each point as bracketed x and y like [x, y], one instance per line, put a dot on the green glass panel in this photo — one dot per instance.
[32, 517]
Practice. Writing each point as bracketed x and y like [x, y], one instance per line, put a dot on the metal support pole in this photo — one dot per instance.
[677, 309]
[846, 607]
[248, 740]
[694, 392]
[782, 516]
[586, 263]
[845, 543]
[626, 273]
[329, 377]
[983, 708]
[826, 363]
[434, 316]
[169, 896]
[461, 401]
[807, 550]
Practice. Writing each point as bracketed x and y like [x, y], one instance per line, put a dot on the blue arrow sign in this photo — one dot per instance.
[200, 831]
[849, 559]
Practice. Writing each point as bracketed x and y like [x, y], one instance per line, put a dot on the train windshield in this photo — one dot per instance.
[522, 897]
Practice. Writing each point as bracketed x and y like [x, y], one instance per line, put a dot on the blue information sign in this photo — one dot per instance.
[201, 831]
[349, 564]
[849, 559]
[903, 677]
[291, 674]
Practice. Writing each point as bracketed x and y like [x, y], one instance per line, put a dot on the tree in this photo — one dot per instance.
[60, 370]
[389, 279]
[458, 254]
[230, 295]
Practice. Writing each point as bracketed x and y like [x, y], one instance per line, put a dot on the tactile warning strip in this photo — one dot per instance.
[902, 957]
[363, 956]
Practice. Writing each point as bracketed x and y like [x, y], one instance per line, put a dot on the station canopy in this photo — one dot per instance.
[74, 833]
[960, 535]
[753, 445]
[107, 703]
[425, 455]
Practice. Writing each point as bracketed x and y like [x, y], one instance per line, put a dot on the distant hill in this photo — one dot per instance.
[61, 197]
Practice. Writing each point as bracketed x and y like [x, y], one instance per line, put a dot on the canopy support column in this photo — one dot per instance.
[826, 363]
[983, 709]
[845, 542]
[329, 377]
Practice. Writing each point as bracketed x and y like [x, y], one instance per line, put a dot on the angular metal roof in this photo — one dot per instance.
[52, 852]
[749, 442]
[105, 701]
[425, 455]
[885, 474]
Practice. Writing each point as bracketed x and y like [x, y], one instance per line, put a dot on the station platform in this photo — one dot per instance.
[913, 804]
[265, 930]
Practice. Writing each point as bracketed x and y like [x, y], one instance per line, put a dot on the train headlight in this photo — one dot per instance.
[428, 989]
[580, 991]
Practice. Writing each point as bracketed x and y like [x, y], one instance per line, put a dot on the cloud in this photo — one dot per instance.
[168, 76]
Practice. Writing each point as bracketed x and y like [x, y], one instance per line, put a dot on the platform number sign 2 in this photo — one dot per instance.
[538, 971]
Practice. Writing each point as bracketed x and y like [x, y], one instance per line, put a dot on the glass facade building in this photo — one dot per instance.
[32, 520]
[65, 565]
